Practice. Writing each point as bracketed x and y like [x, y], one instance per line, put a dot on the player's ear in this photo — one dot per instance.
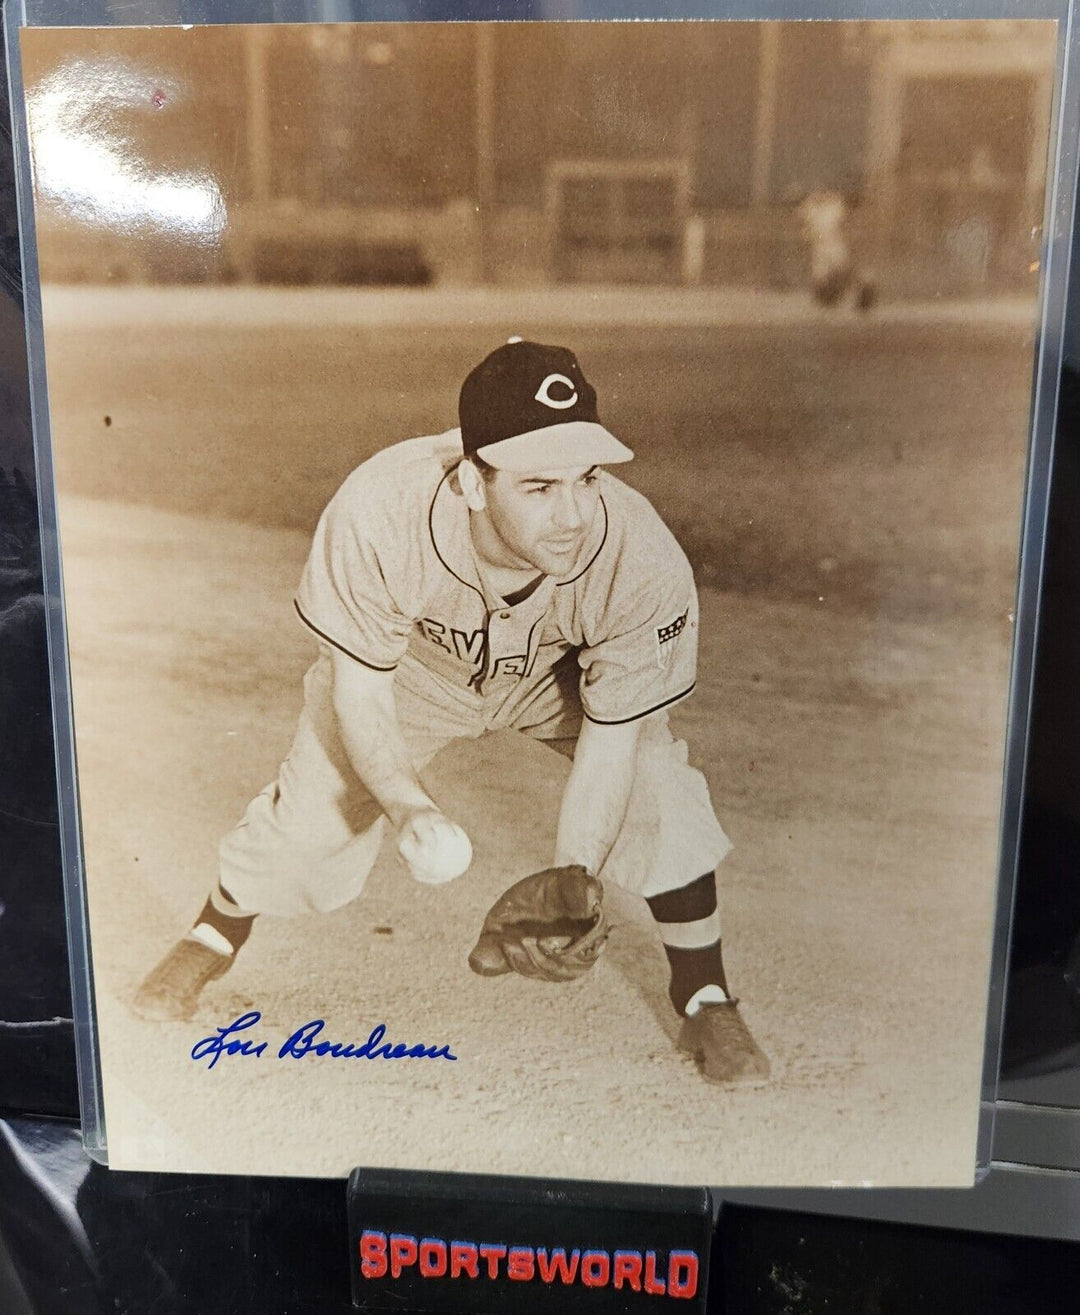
[472, 486]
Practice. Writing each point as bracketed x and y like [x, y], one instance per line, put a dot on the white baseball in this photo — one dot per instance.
[435, 864]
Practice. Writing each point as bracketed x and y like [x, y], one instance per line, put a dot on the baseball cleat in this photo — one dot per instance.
[722, 1046]
[172, 989]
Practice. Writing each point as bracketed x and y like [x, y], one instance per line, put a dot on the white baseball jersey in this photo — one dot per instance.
[392, 570]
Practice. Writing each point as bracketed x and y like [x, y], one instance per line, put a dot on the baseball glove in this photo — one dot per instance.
[549, 925]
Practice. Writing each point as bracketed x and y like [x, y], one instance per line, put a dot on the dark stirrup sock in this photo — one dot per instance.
[218, 927]
[689, 923]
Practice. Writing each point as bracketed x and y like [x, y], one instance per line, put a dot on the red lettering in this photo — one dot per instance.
[463, 1260]
[654, 1286]
[520, 1264]
[432, 1257]
[557, 1266]
[628, 1269]
[492, 1254]
[372, 1254]
[402, 1252]
[682, 1274]
[595, 1269]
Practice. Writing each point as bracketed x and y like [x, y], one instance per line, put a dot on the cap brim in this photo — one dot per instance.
[575, 443]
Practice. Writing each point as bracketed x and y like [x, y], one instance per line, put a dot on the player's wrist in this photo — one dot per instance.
[404, 810]
[567, 858]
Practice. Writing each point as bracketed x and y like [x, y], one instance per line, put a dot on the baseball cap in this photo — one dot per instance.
[528, 406]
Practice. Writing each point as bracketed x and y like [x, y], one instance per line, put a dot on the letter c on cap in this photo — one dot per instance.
[543, 393]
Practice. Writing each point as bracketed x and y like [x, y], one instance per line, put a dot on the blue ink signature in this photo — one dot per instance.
[302, 1042]
[213, 1047]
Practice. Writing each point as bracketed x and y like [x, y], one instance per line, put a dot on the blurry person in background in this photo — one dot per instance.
[835, 279]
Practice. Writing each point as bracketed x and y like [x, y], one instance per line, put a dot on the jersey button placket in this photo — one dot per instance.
[484, 683]
[496, 647]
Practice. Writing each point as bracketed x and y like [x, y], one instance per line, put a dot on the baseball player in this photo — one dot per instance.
[495, 576]
[833, 272]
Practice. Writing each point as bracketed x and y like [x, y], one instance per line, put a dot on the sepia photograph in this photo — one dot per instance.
[539, 508]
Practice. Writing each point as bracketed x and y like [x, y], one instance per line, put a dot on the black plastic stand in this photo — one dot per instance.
[475, 1244]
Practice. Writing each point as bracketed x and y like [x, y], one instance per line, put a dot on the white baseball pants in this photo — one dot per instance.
[309, 840]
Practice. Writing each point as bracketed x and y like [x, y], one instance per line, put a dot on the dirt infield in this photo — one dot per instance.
[850, 762]
[849, 492]
[876, 461]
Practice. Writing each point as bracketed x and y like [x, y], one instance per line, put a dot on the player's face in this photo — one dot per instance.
[541, 518]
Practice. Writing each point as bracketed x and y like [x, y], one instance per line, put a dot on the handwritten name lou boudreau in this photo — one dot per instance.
[304, 1041]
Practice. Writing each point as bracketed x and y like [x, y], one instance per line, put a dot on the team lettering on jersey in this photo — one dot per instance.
[466, 646]
[517, 664]
[470, 647]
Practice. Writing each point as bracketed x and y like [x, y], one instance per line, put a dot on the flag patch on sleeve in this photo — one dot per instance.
[666, 636]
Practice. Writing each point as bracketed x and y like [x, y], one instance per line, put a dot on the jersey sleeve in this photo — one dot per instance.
[352, 593]
[648, 657]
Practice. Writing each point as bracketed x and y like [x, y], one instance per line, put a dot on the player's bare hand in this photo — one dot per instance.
[434, 848]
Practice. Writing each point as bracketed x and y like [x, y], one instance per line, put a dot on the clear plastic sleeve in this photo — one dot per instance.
[657, 204]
